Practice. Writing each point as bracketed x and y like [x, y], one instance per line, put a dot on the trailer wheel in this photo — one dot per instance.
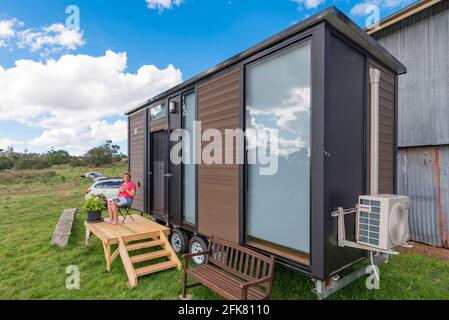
[179, 241]
[198, 244]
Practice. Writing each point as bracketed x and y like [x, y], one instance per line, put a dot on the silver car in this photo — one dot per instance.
[107, 187]
[91, 175]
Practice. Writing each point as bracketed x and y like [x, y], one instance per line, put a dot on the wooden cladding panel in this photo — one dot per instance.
[137, 156]
[387, 129]
[218, 184]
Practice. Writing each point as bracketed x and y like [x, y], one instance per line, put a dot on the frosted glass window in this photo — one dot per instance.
[189, 170]
[158, 112]
[278, 98]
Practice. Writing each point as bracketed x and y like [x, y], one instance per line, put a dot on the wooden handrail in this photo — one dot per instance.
[189, 255]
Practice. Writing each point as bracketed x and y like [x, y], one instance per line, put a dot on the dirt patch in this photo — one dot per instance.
[426, 250]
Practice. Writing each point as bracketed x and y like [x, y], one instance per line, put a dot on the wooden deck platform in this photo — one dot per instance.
[132, 235]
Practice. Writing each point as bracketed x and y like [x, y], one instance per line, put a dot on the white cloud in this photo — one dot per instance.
[56, 36]
[287, 113]
[286, 116]
[8, 28]
[80, 139]
[360, 9]
[48, 39]
[309, 4]
[161, 5]
[71, 96]
[7, 142]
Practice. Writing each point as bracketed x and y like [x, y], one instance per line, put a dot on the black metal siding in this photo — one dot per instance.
[344, 147]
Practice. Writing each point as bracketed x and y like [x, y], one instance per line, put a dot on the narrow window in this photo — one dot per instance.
[189, 168]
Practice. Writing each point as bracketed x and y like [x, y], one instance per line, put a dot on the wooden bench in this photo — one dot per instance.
[232, 271]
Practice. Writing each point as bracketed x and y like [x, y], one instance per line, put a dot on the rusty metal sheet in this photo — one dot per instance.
[423, 175]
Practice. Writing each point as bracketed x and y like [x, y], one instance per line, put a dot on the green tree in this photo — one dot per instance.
[5, 163]
[11, 154]
[103, 154]
[32, 162]
[59, 157]
[8, 157]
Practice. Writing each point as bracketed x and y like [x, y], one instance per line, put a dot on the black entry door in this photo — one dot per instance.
[159, 155]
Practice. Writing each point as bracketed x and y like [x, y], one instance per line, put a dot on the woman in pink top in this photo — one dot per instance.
[124, 197]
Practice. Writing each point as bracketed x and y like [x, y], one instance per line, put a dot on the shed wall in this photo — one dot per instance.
[421, 43]
[424, 176]
[218, 184]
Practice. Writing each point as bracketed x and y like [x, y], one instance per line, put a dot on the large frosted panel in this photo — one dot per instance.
[189, 170]
[278, 98]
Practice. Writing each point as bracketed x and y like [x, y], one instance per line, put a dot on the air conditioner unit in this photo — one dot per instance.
[382, 221]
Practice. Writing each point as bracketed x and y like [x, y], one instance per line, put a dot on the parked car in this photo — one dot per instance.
[107, 187]
[91, 175]
[100, 178]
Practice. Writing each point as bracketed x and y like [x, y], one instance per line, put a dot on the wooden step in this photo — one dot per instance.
[144, 245]
[141, 237]
[150, 256]
[156, 268]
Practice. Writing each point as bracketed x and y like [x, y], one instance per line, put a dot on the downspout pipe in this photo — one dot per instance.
[374, 165]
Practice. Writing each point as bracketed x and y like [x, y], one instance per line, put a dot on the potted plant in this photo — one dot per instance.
[94, 207]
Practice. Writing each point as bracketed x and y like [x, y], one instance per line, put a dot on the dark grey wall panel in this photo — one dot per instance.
[344, 170]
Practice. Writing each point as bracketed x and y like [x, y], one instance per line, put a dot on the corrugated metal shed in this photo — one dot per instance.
[423, 175]
[421, 42]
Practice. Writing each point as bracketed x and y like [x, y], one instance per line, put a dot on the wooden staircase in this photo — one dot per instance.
[156, 240]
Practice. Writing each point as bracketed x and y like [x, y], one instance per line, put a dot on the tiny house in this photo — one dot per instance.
[321, 84]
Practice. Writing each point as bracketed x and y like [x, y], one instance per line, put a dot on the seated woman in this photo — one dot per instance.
[124, 197]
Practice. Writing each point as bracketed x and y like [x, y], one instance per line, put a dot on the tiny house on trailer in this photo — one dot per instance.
[330, 91]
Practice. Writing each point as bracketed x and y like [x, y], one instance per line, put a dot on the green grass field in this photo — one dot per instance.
[31, 203]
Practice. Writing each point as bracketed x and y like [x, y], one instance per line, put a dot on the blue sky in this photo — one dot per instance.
[71, 87]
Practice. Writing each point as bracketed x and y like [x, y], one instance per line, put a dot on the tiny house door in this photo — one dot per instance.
[158, 167]
[158, 157]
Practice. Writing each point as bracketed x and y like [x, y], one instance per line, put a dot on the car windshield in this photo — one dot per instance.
[115, 184]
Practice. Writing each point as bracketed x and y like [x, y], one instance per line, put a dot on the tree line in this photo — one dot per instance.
[104, 154]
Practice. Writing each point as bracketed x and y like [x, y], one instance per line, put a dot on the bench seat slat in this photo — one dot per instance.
[226, 284]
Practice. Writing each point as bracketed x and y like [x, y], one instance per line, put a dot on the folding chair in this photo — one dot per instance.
[124, 211]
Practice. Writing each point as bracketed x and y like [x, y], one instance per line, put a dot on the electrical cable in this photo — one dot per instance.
[376, 274]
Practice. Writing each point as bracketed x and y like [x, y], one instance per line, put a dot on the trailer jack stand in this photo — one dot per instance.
[324, 289]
